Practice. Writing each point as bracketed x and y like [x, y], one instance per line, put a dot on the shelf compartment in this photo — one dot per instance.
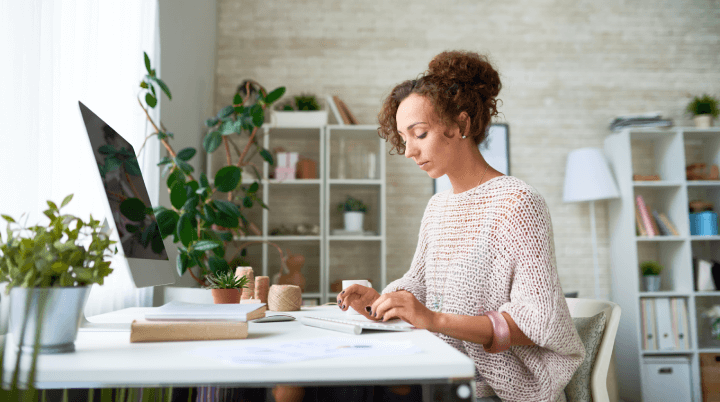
[353, 154]
[669, 201]
[305, 141]
[674, 257]
[310, 270]
[655, 153]
[370, 195]
[702, 146]
[705, 250]
[293, 211]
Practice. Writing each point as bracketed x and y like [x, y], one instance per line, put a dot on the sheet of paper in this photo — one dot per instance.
[309, 349]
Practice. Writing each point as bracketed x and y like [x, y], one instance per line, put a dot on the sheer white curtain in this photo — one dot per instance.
[56, 53]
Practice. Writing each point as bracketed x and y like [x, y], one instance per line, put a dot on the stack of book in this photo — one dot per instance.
[180, 321]
[664, 324]
[652, 224]
[652, 119]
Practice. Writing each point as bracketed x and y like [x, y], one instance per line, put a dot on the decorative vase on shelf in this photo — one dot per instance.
[294, 263]
[226, 296]
[703, 120]
[354, 221]
[652, 283]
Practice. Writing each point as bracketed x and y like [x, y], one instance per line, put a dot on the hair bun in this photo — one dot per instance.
[469, 70]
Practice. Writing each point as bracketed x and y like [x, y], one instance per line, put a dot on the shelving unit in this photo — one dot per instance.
[665, 152]
[343, 168]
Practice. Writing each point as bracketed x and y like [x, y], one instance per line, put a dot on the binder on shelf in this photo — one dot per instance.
[639, 224]
[648, 317]
[683, 324]
[645, 215]
[643, 313]
[676, 330]
[663, 318]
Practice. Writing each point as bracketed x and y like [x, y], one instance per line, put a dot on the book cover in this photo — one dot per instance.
[669, 225]
[344, 107]
[161, 331]
[663, 319]
[183, 311]
[664, 230]
[645, 215]
[638, 221]
[333, 107]
[343, 113]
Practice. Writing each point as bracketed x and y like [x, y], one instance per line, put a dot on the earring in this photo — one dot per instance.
[464, 136]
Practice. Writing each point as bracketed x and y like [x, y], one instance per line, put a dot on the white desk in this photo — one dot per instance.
[108, 359]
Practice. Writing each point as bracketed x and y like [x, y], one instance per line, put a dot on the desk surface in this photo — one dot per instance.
[108, 359]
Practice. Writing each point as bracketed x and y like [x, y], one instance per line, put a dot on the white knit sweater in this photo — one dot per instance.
[491, 249]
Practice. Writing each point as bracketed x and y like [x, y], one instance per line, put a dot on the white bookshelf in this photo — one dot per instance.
[328, 258]
[665, 152]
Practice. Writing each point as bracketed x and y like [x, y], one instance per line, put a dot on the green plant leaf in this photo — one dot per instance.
[227, 178]
[204, 180]
[66, 200]
[253, 188]
[227, 207]
[144, 85]
[176, 176]
[182, 263]
[167, 221]
[247, 202]
[211, 121]
[8, 218]
[227, 221]
[227, 128]
[163, 86]
[225, 112]
[133, 209]
[185, 167]
[237, 99]
[275, 95]
[217, 264]
[164, 161]
[150, 100]
[258, 115]
[186, 153]
[267, 156]
[178, 195]
[147, 62]
[185, 229]
[52, 205]
[212, 141]
[204, 245]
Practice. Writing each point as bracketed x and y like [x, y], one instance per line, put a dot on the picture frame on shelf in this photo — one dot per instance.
[495, 149]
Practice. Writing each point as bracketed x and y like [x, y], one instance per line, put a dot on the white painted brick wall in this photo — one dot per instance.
[568, 67]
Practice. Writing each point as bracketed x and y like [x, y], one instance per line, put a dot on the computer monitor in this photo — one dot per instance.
[150, 258]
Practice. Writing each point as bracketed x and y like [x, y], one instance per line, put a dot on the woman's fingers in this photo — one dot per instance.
[381, 306]
[392, 313]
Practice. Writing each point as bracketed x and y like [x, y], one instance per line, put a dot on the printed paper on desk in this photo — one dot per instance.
[308, 349]
[205, 312]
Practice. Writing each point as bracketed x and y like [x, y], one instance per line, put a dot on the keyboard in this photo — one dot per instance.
[351, 326]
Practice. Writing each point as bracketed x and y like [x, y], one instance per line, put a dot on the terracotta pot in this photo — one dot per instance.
[226, 296]
[294, 264]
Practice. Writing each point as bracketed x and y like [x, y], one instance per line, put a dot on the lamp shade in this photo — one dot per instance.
[588, 177]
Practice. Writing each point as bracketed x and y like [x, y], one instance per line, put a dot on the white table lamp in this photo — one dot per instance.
[588, 178]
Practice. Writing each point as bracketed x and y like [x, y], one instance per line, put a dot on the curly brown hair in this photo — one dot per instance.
[455, 82]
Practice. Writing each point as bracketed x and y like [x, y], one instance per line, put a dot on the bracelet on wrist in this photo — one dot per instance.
[501, 333]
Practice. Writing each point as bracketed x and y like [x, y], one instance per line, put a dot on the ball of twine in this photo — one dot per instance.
[262, 284]
[284, 298]
[249, 291]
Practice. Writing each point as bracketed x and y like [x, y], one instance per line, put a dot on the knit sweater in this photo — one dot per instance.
[491, 249]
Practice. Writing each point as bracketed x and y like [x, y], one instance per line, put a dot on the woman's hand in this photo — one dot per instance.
[358, 297]
[403, 304]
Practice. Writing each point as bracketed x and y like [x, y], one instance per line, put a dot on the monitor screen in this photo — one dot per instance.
[125, 189]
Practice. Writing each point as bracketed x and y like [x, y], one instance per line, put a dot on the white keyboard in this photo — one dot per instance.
[351, 326]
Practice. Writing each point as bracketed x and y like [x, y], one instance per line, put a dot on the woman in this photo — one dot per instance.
[483, 277]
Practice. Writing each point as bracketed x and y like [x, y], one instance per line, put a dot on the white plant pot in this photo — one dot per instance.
[307, 118]
[703, 121]
[354, 221]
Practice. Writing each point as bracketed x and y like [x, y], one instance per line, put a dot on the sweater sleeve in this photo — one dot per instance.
[414, 279]
[537, 303]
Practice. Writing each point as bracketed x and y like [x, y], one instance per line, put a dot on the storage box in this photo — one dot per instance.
[710, 376]
[666, 378]
[704, 224]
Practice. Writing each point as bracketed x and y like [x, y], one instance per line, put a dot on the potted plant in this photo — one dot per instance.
[651, 275]
[703, 109]
[353, 213]
[226, 288]
[303, 111]
[199, 220]
[49, 270]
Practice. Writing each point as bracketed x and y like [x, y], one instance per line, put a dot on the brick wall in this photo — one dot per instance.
[568, 67]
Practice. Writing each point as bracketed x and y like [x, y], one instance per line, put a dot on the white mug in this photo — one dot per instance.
[347, 283]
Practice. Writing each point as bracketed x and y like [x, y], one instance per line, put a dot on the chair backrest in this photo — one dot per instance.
[589, 308]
